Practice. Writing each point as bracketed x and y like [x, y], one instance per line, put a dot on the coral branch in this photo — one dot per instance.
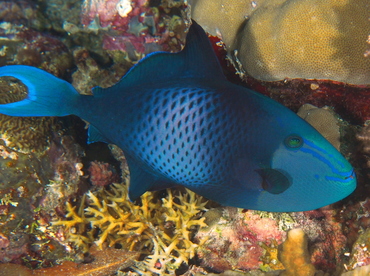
[162, 228]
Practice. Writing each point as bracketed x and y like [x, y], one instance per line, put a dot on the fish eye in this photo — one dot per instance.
[293, 141]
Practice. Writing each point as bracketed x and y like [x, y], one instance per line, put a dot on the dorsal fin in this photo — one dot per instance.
[196, 60]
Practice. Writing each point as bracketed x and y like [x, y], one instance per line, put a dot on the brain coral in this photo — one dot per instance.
[223, 17]
[322, 39]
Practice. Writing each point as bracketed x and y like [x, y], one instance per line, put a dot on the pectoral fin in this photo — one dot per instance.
[274, 181]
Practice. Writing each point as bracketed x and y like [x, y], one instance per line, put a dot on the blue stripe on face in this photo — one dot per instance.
[347, 176]
[312, 145]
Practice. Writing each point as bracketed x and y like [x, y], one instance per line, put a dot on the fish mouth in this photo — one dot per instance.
[352, 175]
[348, 177]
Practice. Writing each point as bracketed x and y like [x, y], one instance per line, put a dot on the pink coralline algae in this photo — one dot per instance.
[102, 174]
[113, 13]
[248, 240]
[13, 247]
[136, 27]
[238, 240]
[328, 242]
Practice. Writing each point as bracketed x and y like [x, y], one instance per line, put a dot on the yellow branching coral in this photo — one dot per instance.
[161, 227]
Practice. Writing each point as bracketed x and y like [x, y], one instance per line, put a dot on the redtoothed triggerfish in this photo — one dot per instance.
[180, 122]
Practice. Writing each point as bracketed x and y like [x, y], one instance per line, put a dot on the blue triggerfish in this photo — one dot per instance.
[179, 121]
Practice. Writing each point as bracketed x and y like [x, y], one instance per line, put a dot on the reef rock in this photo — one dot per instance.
[360, 255]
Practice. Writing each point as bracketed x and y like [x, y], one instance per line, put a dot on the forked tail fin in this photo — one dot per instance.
[47, 94]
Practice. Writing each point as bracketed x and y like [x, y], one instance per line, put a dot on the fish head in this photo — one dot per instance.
[305, 171]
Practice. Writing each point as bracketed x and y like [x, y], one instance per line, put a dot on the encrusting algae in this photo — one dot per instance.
[161, 228]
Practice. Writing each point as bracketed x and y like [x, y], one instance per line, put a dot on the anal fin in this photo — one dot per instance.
[140, 180]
